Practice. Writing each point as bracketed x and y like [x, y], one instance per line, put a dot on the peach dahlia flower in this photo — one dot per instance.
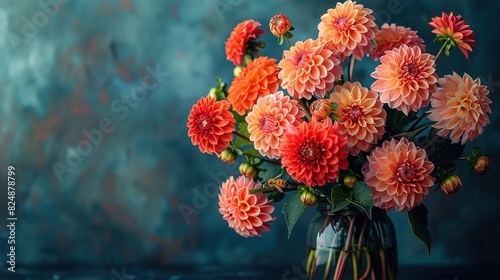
[398, 174]
[248, 214]
[313, 152]
[391, 36]
[350, 27]
[455, 29]
[308, 68]
[269, 119]
[238, 39]
[406, 78]
[362, 118]
[211, 125]
[460, 108]
[258, 78]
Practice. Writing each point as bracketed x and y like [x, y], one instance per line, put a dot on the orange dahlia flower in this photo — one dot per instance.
[391, 36]
[351, 27]
[405, 78]
[460, 108]
[258, 78]
[308, 68]
[211, 125]
[248, 214]
[238, 39]
[451, 27]
[362, 118]
[398, 174]
[313, 152]
[268, 120]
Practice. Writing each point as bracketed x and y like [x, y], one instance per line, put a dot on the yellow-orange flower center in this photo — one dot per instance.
[204, 123]
[406, 172]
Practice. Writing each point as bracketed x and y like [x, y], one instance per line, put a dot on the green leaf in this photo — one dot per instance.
[292, 209]
[243, 131]
[272, 170]
[362, 197]
[280, 40]
[417, 217]
[340, 197]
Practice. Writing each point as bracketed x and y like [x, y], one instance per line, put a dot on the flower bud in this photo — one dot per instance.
[451, 184]
[279, 25]
[213, 93]
[482, 165]
[227, 156]
[308, 198]
[350, 180]
[320, 109]
[237, 70]
[248, 170]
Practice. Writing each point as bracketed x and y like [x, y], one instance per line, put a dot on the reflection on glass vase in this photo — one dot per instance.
[348, 245]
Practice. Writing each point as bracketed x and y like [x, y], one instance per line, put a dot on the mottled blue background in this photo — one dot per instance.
[68, 67]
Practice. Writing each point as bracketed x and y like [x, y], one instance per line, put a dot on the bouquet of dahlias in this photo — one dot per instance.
[303, 124]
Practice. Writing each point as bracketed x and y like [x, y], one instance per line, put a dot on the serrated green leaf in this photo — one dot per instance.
[362, 197]
[417, 217]
[243, 131]
[292, 209]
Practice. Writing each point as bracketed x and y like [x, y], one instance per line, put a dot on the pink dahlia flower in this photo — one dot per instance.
[362, 118]
[460, 108]
[350, 27]
[248, 214]
[309, 68]
[398, 174]
[391, 36]
[406, 78]
[269, 119]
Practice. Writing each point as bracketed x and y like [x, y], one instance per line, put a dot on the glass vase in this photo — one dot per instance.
[348, 245]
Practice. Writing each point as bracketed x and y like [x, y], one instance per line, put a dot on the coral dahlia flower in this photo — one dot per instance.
[398, 174]
[308, 68]
[351, 27]
[248, 214]
[238, 39]
[269, 119]
[211, 125]
[258, 78]
[391, 36]
[279, 25]
[406, 78]
[451, 27]
[362, 118]
[313, 152]
[460, 108]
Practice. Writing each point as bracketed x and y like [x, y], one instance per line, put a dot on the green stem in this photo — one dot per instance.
[306, 108]
[440, 51]
[417, 121]
[242, 136]
[263, 159]
[288, 42]
[267, 190]
[350, 68]
[341, 264]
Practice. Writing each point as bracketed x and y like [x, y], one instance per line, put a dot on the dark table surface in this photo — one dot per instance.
[285, 272]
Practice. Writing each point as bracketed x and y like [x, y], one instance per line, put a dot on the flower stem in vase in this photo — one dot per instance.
[342, 262]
